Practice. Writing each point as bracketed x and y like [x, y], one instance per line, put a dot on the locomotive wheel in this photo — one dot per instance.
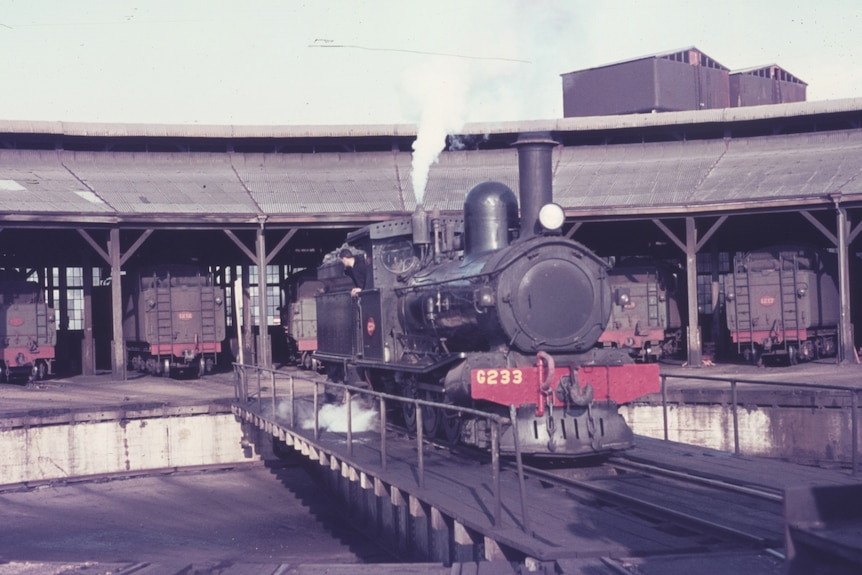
[431, 417]
[792, 355]
[408, 412]
[40, 370]
[450, 427]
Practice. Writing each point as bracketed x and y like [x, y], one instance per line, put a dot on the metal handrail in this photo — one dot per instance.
[495, 423]
[734, 381]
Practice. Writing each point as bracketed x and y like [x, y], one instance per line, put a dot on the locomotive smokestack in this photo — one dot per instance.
[534, 175]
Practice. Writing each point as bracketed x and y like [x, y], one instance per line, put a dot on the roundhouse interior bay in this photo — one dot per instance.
[83, 205]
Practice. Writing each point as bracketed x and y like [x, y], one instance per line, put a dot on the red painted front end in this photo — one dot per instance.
[522, 386]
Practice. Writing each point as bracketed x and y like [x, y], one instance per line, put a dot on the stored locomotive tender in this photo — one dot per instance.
[646, 315]
[782, 301]
[462, 311]
[174, 321]
[299, 316]
[29, 331]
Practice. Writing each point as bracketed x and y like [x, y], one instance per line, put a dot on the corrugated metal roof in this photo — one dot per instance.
[634, 176]
[601, 179]
[37, 182]
[796, 166]
[162, 183]
[590, 180]
[742, 114]
[322, 183]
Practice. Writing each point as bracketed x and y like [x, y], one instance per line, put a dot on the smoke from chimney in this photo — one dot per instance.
[440, 87]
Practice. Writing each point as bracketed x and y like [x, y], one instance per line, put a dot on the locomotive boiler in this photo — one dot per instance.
[487, 311]
[782, 302]
[174, 321]
[29, 331]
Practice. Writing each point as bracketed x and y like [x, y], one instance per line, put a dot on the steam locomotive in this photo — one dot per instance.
[29, 331]
[646, 315]
[471, 312]
[174, 321]
[782, 303]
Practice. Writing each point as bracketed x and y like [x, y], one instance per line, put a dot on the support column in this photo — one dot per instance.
[261, 259]
[419, 543]
[690, 247]
[62, 305]
[263, 348]
[846, 345]
[694, 340]
[118, 365]
[115, 259]
[250, 356]
[88, 348]
[440, 537]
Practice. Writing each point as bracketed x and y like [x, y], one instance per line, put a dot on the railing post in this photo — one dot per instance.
[419, 444]
[292, 404]
[495, 471]
[735, 416]
[383, 433]
[348, 399]
[316, 414]
[664, 404]
[272, 383]
[525, 518]
[259, 392]
[854, 425]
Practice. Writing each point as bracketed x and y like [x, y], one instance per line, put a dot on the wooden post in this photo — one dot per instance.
[88, 349]
[263, 351]
[694, 342]
[846, 345]
[118, 365]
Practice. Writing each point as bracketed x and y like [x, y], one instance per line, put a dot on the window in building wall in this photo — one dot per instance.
[271, 289]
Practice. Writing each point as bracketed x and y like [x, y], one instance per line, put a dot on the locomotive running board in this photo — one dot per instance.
[410, 368]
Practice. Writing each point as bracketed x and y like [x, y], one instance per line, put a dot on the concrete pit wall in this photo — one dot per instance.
[803, 434]
[61, 451]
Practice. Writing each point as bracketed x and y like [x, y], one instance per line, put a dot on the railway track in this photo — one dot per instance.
[673, 499]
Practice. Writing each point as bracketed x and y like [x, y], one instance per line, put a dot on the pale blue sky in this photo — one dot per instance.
[386, 61]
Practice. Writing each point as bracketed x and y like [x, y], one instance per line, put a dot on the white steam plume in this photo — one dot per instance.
[333, 417]
[440, 88]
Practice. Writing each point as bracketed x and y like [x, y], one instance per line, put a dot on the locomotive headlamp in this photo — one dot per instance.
[802, 292]
[730, 297]
[551, 216]
[484, 297]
